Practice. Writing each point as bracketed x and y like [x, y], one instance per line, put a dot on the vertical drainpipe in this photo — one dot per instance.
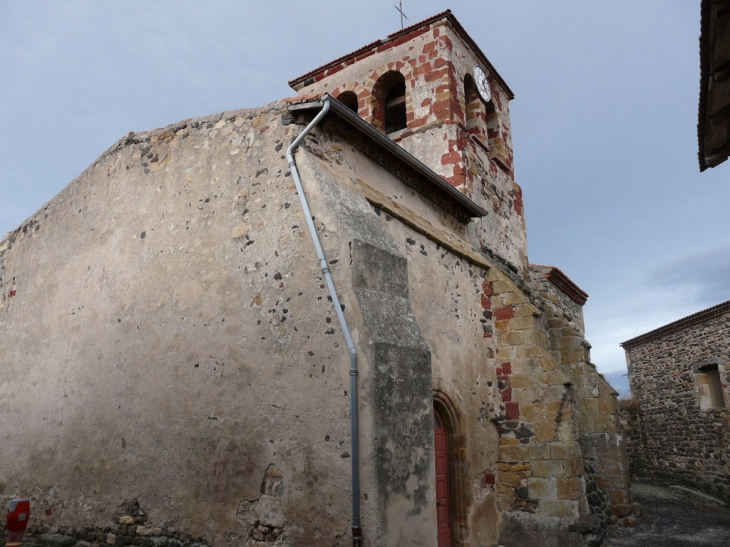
[354, 435]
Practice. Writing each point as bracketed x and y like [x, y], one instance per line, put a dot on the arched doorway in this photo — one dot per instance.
[443, 505]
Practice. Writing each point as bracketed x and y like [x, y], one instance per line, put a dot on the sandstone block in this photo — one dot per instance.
[588, 406]
[521, 380]
[542, 489]
[524, 394]
[527, 310]
[554, 377]
[547, 469]
[514, 338]
[608, 405]
[514, 467]
[512, 297]
[514, 453]
[512, 480]
[606, 422]
[502, 327]
[569, 488]
[530, 352]
[500, 286]
[564, 451]
[532, 412]
[522, 323]
[559, 508]
[545, 431]
[555, 392]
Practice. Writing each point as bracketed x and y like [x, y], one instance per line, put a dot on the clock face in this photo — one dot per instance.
[485, 92]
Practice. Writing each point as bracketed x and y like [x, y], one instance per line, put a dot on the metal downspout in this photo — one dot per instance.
[356, 530]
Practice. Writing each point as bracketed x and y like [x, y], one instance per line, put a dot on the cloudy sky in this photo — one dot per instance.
[604, 119]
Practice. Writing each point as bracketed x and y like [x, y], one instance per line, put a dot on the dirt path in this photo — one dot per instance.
[674, 518]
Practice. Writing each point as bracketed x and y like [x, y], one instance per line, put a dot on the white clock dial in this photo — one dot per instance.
[485, 92]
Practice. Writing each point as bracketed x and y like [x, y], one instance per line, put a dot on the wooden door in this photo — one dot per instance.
[443, 509]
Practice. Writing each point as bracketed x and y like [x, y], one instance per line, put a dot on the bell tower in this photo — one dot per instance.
[431, 90]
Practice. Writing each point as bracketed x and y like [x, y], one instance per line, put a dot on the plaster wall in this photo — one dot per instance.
[444, 291]
[167, 343]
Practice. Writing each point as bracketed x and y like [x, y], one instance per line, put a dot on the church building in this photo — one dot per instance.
[308, 324]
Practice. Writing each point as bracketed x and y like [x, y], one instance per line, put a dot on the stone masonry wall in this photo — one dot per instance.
[629, 412]
[606, 470]
[434, 61]
[679, 440]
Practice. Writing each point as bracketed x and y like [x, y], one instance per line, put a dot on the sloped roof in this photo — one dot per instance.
[437, 188]
[395, 39]
[680, 324]
[558, 278]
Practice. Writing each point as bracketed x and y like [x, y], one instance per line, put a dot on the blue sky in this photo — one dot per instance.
[604, 119]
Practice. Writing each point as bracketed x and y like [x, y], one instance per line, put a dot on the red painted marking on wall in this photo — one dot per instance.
[486, 302]
[489, 479]
[504, 313]
[512, 411]
[487, 288]
[506, 394]
[450, 158]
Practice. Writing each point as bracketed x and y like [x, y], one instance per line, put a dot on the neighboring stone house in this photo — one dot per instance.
[174, 370]
[679, 376]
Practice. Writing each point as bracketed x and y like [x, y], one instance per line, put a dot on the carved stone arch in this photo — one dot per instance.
[352, 95]
[459, 483]
[385, 79]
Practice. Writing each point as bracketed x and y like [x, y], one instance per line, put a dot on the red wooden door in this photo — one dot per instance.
[443, 511]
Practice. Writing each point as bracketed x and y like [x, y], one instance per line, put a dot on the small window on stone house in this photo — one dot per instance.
[349, 99]
[709, 386]
[390, 95]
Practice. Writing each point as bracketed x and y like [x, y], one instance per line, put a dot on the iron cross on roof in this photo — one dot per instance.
[399, 7]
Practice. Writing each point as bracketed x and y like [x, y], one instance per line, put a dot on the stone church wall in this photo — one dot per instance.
[682, 438]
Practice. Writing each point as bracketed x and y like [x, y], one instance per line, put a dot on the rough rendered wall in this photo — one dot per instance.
[444, 291]
[166, 339]
[396, 405]
[680, 441]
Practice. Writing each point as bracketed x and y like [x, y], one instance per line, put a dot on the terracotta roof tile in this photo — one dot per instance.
[359, 53]
[680, 324]
[558, 278]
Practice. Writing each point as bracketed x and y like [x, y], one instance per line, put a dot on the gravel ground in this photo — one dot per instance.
[674, 518]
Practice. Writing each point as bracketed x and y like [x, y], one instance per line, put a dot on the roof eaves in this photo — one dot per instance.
[394, 36]
[558, 278]
[353, 119]
[705, 52]
[688, 321]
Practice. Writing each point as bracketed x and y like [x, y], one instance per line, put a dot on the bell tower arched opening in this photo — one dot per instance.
[349, 99]
[390, 95]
